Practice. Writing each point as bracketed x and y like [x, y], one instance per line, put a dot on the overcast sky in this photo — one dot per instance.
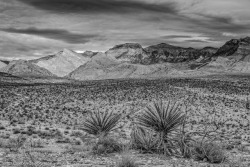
[35, 28]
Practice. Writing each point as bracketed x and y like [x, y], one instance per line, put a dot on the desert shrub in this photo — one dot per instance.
[16, 131]
[107, 145]
[76, 134]
[2, 127]
[66, 132]
[164, 119]
[36, 143]
[127, 161]
[50, 134]
[14, 144]
[63, 140]
[100, 123]
[145, 140]
[76, 142]
[208, 151]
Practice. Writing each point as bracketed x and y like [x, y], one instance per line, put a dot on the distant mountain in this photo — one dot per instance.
[25, 68]
[94, 68]
[89, 54]
[129, 52]
[236, 48]
[130, 60]
[103, 66]
[2, 64]
[62, 63]
[174, 54]
[234, 56]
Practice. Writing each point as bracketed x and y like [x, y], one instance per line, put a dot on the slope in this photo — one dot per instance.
[25, 68]
[62, 63]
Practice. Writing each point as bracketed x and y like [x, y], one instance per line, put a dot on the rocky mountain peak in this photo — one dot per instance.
[127, 46]
[129, 52]
[234, 47]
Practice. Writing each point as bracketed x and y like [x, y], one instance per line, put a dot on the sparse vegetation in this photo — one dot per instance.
[52, 116]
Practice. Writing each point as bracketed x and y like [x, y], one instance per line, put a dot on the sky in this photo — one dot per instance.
[35, 28]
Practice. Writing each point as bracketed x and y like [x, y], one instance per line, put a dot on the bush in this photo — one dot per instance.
[37, 143]
[106, 146]
[208, 151]
[145, 140]
[76, 134]
[14, 144]
[127, 161]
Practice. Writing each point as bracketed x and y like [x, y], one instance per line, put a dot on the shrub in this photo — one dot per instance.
[164, 120]
[127, 161]
[76, 134]
[14, 144]
[63, 140]
[208, 151]
[106, 146]
[37, 143]
[100, 124]
[145, 140]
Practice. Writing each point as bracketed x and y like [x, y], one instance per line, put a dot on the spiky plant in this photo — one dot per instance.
[100, 123]
[163, 119]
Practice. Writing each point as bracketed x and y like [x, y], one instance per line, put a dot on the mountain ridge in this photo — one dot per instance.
[131, 60]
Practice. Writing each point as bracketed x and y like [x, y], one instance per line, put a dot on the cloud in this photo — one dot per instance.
[101, 6]
[56, 34]
[219, 23]
[176, 36]
[196, 41]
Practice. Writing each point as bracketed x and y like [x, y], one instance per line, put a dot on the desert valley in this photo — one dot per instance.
[100, 109]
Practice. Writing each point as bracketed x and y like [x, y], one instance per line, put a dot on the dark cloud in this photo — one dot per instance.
[101, 6]
[220, 23]
[57, 34]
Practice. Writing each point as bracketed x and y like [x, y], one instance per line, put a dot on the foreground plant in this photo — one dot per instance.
[100, 123]
[164, 119]
[106, 146]
[145, 140]
[209, 152]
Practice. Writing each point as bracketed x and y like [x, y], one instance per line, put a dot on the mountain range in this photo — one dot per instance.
[131, 60]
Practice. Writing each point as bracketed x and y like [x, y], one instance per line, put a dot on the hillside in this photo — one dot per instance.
[62, 63]
[25, 68]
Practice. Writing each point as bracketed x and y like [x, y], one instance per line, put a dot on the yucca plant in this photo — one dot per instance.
[100, 123]
[164, 119]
